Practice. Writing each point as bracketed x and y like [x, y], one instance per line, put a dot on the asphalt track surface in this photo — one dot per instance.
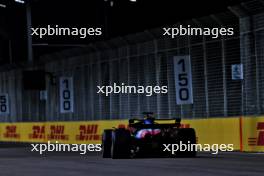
[22, 162]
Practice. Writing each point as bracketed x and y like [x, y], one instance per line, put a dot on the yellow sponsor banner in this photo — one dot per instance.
[63, 132]
[216, 131]
[245, 134]
[20, 132]
[80, 132]
[253, 134]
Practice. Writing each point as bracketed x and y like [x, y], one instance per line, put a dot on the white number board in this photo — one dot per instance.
[66, 95]
[183, 79]
[4, 104]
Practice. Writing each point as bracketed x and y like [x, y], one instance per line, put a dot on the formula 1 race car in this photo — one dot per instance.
[147, 137]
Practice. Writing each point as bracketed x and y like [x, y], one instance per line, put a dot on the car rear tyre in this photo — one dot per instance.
[107, 143]
[187, 136]
[120, 144]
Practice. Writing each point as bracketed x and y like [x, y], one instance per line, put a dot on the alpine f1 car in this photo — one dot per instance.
[147, 137]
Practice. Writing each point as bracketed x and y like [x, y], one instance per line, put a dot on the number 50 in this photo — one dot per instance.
[3, 103]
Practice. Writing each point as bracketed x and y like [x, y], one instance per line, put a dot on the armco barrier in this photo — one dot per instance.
[246, 134]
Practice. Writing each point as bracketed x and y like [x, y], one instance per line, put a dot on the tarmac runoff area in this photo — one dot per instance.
[22, 162]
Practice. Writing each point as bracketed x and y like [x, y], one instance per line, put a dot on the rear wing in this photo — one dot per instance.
[158, 123]
[133, 121]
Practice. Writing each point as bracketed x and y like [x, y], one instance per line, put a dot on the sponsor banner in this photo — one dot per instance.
[253, 134]
[246, 134]
[216, 131]
[22, 132]
[64, 132]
